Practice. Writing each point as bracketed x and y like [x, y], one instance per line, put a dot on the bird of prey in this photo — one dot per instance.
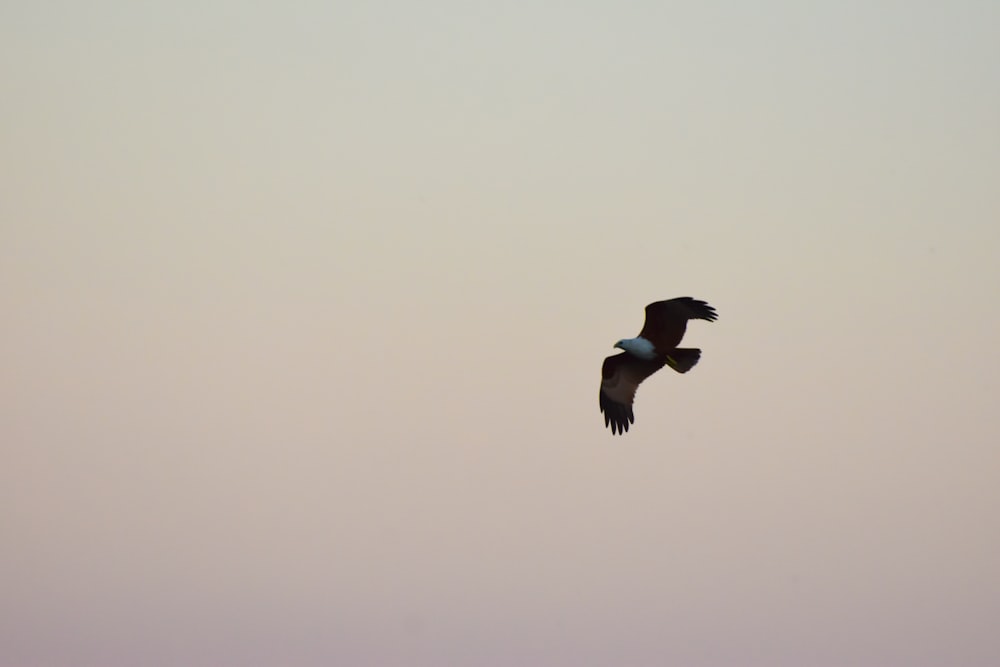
[654, 347]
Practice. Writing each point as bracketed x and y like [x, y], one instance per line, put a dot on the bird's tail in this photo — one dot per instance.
[683, 359]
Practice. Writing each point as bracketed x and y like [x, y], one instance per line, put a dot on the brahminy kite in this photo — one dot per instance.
[654, 347]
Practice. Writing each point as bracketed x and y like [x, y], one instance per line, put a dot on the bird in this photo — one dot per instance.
[654, 347]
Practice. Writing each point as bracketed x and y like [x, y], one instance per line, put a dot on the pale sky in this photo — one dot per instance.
[305, 307]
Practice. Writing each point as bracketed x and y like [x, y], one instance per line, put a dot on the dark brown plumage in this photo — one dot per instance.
[655, 347]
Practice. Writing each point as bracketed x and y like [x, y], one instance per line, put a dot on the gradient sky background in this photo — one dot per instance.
[305, 306]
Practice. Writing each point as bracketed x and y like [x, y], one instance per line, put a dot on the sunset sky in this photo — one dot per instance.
[304, 308]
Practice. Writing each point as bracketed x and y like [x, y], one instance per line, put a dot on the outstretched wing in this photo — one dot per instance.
[666, 321]
[621, 375]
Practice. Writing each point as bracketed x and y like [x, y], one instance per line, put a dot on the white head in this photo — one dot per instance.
[637, 347]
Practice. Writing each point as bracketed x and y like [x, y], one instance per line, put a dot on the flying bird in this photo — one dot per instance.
[654, 347]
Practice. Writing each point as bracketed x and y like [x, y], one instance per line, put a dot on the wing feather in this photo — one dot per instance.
[666, 321]
[621, 376]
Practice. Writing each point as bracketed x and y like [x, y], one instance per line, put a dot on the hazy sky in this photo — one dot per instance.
[305, 306]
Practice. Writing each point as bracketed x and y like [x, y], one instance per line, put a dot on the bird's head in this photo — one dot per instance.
[637, 347]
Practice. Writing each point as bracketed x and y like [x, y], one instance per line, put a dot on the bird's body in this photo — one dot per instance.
[654, 348]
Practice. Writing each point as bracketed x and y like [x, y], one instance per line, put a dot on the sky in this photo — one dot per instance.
[305, 305]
